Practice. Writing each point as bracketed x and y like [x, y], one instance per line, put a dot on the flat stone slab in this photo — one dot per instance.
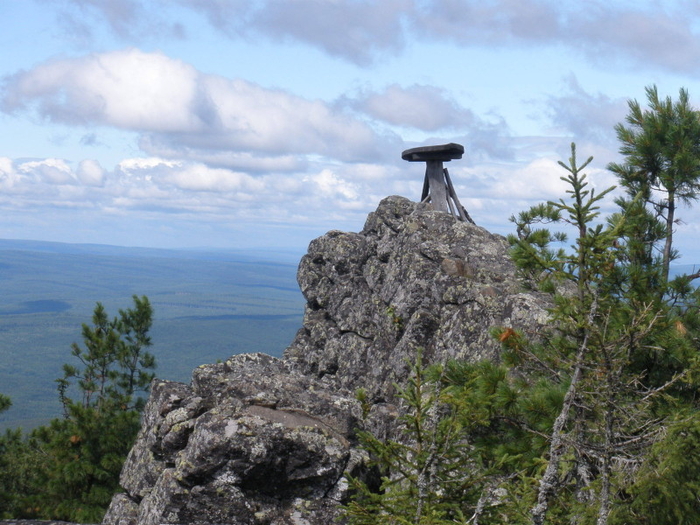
[442, 152]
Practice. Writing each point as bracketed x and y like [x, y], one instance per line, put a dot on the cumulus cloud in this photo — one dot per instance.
[173, 189]
[198, 177]
[8, 174]
[175, 106]
[51, 171]
[537, 180]
[329, 184]
[128, 89]
[90, 173]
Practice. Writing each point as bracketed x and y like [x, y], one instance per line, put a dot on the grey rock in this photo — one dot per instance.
[250, 441]
[413, 278]
[258, 440]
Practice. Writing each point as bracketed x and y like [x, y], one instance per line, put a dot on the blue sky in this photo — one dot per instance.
[255, 124]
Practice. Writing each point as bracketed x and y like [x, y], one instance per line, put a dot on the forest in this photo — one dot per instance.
[208, 305]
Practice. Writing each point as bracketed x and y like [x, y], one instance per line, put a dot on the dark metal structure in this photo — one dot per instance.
[437, 186]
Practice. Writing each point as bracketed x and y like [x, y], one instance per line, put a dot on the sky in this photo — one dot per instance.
[255, 124]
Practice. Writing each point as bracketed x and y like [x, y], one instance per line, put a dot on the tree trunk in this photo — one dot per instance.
[668, 245]
[608, 443]
[557, 446]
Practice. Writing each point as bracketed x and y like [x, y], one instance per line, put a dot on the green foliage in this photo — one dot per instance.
[69, 470]
[114, 361]
[19, 466]
[423, 481]
[661, 146]
[532, 249]
[667, 485]
[84, 454]
[615, 344]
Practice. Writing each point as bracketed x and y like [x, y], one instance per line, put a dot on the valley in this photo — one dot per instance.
[208, 305]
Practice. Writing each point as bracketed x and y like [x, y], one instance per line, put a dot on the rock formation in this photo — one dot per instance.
[258, 440]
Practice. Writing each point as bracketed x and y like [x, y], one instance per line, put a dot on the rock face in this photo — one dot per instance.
[412, 278]
[258, 440]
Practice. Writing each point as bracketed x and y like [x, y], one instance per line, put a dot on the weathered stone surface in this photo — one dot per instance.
[412, 278]
[262, 441]
[250, 441]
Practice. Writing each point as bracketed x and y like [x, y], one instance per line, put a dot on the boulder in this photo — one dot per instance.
[250, 441]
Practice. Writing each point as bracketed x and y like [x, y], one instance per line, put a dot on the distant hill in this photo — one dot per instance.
[208, 306]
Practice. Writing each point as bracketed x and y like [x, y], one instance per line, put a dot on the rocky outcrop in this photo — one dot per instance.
[413, 278]
[250, 441]
[258, 440]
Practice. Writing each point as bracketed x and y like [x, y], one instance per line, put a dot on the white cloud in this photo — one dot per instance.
[127, 89]
[198, 177]
[244, 161]
[51, 171]
[328, 184]
[90, 173]
[175, 106]
[145, 163]
[538, 180]
[8, 174]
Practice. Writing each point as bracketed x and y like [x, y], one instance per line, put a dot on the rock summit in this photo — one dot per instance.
[257, 440]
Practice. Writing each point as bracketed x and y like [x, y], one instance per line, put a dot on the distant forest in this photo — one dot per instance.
[207, 307]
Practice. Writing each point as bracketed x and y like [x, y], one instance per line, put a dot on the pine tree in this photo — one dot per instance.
[661, 146]
[423, 480]
[114, 362]
[72, 466]
[667, 485]
[5, 403]
[606, 327]
[577, 278]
